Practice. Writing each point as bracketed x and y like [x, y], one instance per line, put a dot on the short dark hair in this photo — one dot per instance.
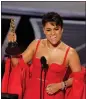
[52, 17]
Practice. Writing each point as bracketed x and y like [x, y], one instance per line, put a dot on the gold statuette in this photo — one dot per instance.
[12, 48]
[12, 26]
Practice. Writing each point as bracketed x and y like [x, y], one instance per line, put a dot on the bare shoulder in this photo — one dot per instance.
[33, 44]
[74, 60]
[42, 43]
[29, 52]
[73, 52]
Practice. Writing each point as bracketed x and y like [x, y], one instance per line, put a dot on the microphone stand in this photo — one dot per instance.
[11, 51]
[45, 72]
[45, 68]
[41, 81]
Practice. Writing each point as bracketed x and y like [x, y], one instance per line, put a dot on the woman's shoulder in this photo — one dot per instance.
[42, 41]
[36, 41]
[71, 49]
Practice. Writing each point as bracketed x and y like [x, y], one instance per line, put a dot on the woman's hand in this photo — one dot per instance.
[11, 37]
[53, 88]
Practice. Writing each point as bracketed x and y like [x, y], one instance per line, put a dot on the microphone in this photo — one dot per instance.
[44, 62]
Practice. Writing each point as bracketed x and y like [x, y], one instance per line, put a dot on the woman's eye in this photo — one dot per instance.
[47, 30]
[56, 29]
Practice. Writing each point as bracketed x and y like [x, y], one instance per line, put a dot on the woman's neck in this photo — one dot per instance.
[51, 46]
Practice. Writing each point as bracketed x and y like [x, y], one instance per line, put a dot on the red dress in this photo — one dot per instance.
[55, 74]
[19, 82]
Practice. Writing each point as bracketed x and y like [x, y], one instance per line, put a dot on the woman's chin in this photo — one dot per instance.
[55, 43]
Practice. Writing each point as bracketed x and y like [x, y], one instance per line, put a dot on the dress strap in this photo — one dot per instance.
[66, 55]
[36, 47]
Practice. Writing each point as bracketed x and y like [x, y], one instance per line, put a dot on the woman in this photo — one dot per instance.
[59, 57]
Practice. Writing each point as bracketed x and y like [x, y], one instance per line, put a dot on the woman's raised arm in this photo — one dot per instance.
[27, 54]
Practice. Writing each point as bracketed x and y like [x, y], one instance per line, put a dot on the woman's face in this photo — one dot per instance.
[53, 33]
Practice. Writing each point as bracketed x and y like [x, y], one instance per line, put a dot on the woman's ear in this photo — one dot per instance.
[43, 30]
[62, 30]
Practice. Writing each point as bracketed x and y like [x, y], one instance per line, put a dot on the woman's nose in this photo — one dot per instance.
[53, 32]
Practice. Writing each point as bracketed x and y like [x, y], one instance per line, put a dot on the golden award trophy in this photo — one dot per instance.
[12, 26]
[12, 48]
